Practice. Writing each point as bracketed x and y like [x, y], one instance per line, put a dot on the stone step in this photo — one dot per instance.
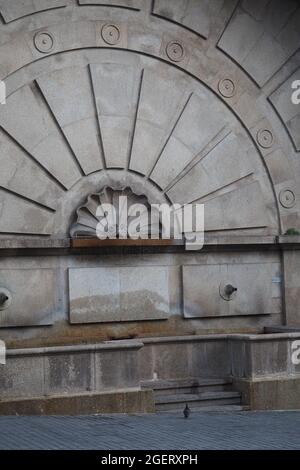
[211, 408]
[186, 385]
[204, 399]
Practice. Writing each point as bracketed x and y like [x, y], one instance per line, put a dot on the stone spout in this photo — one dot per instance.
[229, 290]
[3, 298]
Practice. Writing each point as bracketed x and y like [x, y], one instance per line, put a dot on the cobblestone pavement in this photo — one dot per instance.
[222, 430]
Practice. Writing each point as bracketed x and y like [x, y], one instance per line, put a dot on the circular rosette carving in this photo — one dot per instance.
[110, 34]
[116, 214]
[226, 87]
[44, 42]
[287, 198]
[265, 138]
[175, 51]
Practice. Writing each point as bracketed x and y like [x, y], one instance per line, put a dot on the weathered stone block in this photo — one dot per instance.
[69, 373]
[22, 376]
[116, 370]
[202, 294]
[34, 297]
[118, 294]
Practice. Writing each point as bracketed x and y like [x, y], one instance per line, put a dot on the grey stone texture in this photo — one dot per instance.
[288, 111]
[47, 379]
[34, 294]
[183, 102]
[257, 290]
[183, 137]
[70, 370]
[203, 431]
[154, 293]
[116, 401]
[262, 36]
[118, 294]
[11, 11]
[291, 266]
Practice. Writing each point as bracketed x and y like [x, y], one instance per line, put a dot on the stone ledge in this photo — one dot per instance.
[289, 239]
[33, 243]
[216, 337]
[112, 402]
[211, 242]
[105, 346]
[282, 329]
[270, 393]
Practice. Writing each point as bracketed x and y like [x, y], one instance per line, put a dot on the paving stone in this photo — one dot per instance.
[202, 431]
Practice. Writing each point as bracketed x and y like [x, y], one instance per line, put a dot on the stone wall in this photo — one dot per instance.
[181, 101]
[93, 297]
[107, 377]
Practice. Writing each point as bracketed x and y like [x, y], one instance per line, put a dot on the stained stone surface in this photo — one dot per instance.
[257, 288]
[195, 15]
[133, 93]
[34, 297]
[12, 10]
[73, 107]
[289, 111]
[261, 36]
[118, 294]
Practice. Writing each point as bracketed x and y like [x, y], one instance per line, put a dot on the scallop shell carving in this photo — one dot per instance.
[93, 214]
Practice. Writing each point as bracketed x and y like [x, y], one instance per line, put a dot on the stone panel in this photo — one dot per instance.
[233, 211]
[116, 89]
[20, 169]
[171, 360]
[132, 4]
[262, 36]
[22, 377]
[202, 284]
[34, 297]
[209, 359]
[116, 370]
[18, 216]
[291, 266]
[38, 134]
[201, 120]
[269, 357]
[68, 373]
[118, 294]
[288, 111]
[270, 393]
[197, 15]
[156, 118]
[70, 97]
[11, 10]
[224, 164]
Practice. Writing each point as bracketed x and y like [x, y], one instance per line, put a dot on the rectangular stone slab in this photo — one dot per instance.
[257, 293]
[33, 297]
[116, 294]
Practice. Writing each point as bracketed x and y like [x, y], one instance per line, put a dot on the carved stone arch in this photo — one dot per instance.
[188, 54]
[95, 219]
[182, 101]
[182, 138]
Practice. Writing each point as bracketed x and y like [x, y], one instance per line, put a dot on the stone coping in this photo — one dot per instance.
[138, 344]
[211, 241]
[216, 337]
[282, 329]
[278, 377]
[73, 395]
[104, 346]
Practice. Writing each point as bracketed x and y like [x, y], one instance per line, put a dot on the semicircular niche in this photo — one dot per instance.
[115, 214]
[133, 113]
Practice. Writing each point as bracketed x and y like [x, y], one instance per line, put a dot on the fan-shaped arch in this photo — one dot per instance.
[143, 117]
